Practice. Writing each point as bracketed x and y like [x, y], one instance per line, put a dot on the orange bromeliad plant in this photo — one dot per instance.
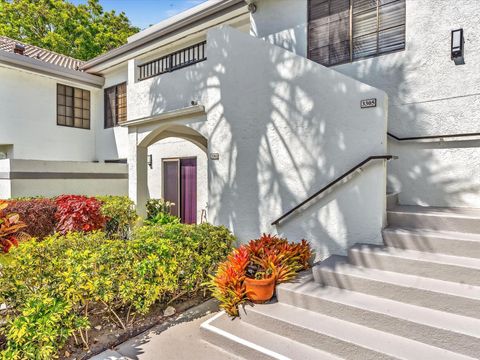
[270, 254]
[10, 225]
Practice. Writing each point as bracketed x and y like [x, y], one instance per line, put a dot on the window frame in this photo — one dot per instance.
[115, 119]
[73, 107]
[351, 36]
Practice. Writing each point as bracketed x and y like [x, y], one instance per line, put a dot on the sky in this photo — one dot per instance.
[143, 13]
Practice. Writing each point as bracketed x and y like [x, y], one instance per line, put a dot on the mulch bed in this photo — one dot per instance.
[105, 335]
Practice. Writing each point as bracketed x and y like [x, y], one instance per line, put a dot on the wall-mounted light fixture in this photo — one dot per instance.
[150, 161]
[457, 47]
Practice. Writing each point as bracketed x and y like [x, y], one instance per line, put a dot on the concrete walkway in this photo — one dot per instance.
[180, 339]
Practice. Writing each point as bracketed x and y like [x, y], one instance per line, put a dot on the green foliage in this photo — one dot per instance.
[162, 219]
[51, 285]
[43, 324]
[121, 215]
[158, 206]
[83, 31]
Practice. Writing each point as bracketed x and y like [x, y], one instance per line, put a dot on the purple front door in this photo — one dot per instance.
[188, 191]
[180, 187]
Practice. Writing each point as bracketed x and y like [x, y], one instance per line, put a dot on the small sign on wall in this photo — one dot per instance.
[214, 156]
[368, 103]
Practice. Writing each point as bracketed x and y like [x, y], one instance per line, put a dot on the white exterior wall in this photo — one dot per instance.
[283, 127]
[428, 94]
[178, 148]
[28, 119]
[111, 143]
[23, 178]
[282, 23]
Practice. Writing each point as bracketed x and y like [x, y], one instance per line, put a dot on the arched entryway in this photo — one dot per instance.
[159, 167]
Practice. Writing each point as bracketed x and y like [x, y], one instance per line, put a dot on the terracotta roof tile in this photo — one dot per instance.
[7, 44]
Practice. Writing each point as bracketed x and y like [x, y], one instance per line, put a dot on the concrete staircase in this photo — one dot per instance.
[417, 297]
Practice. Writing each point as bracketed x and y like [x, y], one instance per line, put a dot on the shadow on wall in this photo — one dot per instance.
[281, 136]
[426, 173]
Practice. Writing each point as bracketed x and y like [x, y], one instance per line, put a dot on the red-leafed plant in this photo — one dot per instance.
[78, 213]
[38, 215]
[269, 254]
[10, 226]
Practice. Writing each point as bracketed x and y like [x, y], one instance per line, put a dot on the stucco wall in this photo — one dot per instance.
[111, 143]
[428, 94]
[52, 178]
[28, 119]
[283, 127]
[178, 148]
[282, 23]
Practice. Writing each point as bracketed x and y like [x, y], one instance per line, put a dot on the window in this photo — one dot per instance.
[341, 31]
[73, 107]
[177, 60]
[115, 105]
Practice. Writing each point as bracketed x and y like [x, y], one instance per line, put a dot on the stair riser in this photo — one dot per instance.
[392, 200]
[415, 296]
[439, 271]
[425, 221]
[432, 244]
[449, 340]
[311, 338]
[232, 346]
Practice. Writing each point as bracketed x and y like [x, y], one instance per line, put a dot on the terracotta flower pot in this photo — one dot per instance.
[260, 291]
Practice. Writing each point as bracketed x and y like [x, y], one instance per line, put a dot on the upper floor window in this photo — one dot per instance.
[341, 31]
[115, 105]
[177, 60]
[73, 107]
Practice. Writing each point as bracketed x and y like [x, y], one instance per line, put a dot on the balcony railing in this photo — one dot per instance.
[174, 61]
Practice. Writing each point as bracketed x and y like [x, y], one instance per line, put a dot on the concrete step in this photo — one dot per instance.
[251, 342]
[392, 200]
[342, 338]
[437, 266]
[445, 242]
[435, 218]
[456, 333]
[436, 294]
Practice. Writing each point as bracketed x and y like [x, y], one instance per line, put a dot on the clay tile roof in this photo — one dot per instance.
[7, 44]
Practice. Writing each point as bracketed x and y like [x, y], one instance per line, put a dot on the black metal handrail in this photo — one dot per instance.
[174, 61]
[431, 137]
[332, 183]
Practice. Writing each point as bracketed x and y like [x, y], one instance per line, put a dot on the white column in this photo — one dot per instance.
[137, 173]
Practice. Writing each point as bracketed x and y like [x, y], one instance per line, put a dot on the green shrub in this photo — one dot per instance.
[157, 206]
[51, 286]
[162, 219]
[121, 215]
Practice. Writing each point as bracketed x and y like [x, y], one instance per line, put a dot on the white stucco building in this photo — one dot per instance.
[281, 116]
[257, 104]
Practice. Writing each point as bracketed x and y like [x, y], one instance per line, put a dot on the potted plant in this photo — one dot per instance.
[259, 283]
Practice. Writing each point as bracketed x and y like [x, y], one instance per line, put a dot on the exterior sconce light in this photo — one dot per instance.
[150, 161]
[252, 8]
[457, 47]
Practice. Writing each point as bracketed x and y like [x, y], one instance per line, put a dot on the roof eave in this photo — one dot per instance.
[225, 5]
[37, 66]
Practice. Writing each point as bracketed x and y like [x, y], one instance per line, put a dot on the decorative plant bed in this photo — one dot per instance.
[105, 335]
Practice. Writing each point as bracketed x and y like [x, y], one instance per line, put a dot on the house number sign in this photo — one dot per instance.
[368, 103]
[214, 156]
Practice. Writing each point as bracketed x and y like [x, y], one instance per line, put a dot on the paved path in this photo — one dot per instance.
[182, 341]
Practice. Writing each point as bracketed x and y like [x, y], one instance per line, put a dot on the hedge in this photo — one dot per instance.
[50, 286]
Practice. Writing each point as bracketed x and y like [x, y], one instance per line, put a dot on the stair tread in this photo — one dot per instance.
[339, 264]
[362, 336]
[437, 211]
[454, 235]
[413, 313]
[438, 258]
[268, 343]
